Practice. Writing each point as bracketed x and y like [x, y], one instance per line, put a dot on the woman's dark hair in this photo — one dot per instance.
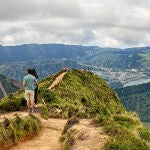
[34, 73]
[29, 71]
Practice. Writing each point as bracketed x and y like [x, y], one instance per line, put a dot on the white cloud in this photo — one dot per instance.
[113, 23]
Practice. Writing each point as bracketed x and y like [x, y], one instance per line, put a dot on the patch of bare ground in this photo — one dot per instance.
[87, 136]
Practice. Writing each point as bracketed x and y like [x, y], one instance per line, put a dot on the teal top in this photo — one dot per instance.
[30, 81]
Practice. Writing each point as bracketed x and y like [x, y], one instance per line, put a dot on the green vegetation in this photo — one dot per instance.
[13, 102]
[12, 131]
[144, 134]
[136, 98]
[82, 94]
[43, 67]
[65, 137]
[145, 60]
[44, 112]
[74, 97]
[75, 92]
[49, 58]
[124, 132]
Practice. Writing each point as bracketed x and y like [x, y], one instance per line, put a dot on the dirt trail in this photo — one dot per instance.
[57, 80]
[92, 138]
[47, 139]
[89, 137]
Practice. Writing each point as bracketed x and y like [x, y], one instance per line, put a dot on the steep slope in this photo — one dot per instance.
[8, 86]
[136, 98]
[83, 89]
[83, 94]
[94, 113]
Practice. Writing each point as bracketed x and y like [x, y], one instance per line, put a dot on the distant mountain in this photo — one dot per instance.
[17, 70]
[136, 98]
[28, 52]
[49, 58]
[92, 55]
[8, 86]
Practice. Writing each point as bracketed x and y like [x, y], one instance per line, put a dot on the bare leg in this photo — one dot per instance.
[32, 105]
[28, 105]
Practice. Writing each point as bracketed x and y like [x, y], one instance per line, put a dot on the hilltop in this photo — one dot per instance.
[93, 111]
[82, 89]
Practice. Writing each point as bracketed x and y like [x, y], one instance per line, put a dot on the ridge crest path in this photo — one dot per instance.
[57, 80]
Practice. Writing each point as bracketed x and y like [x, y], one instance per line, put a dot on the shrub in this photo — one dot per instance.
[44, 111]
[125, 121]
[47, 95]
[101, 120]
[69, 140]
[11, 131]
[10, 105]
[121, 138]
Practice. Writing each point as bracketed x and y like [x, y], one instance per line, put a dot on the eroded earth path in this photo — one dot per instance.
[47, 139]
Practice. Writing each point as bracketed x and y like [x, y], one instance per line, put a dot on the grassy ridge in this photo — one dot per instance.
[82, 94]
[86, 91]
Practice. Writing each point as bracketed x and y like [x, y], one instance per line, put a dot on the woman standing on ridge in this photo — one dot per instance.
[28, 82]
[34, 73]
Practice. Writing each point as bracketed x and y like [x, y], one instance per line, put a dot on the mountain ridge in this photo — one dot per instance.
[50, 58]
[83, 95]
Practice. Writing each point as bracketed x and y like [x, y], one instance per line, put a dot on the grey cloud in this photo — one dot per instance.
[104, 23]
[37, 9]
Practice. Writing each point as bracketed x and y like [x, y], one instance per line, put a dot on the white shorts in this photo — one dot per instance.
[29, 95]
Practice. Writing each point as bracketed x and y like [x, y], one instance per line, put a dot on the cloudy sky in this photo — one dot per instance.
[106, 23]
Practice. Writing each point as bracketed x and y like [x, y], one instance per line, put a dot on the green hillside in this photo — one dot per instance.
[136, 98]
[9, 85]
[84, 89]
[82, 94]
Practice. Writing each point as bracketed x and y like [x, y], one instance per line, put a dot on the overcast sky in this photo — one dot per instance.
[106, 23]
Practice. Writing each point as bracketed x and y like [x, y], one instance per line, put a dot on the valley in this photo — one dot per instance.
[117, 66]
